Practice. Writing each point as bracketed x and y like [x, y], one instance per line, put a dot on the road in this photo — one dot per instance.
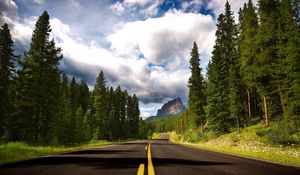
[159, 157]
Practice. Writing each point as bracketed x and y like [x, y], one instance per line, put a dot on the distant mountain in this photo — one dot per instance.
[172, 107]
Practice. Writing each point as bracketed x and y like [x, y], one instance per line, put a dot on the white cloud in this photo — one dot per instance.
[151, 84]
[144, 7]
[39, 2]
[117, 8]
[165, 42]
[138, 2]
[8, 8]
[147, 109]
[193, 5]
[22, 31]
[163, 39]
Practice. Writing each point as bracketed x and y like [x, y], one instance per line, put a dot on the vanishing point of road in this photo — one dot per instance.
[159, 157]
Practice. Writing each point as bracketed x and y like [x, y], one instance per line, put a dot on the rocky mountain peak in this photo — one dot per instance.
[172, 107]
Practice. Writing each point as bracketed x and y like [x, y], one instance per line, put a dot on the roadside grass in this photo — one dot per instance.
[249, 143]
[155, 135]
[17, 151]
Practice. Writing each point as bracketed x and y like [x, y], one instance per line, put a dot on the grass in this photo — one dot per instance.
[249, 143]
[155, 135]
[17, 151]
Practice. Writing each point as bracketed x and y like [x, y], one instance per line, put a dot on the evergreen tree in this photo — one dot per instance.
[135, 115]
[39, 84]
[267, 62]
[248, 50]
[196, 91]
[74, 95]
[61, 123]
[84, 95]
[288, 72]
[236, 86]
[100, 105]
[81, 131]
[217, 108]
[7, 73]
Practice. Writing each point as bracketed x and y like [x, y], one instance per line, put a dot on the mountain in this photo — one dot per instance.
[172, 107]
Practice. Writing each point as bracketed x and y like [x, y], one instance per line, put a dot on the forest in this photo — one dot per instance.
[252, 78]
[40, 105]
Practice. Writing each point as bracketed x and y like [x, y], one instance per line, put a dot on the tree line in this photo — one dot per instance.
[39, 105]
[253, 74]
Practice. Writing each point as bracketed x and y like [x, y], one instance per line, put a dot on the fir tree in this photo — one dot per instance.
[136, 115]
[196, 91]
[7, 73]
[100, 104]
[231, 53]
[248, 50]
[288, 72]
[39, 84]
[267, 62]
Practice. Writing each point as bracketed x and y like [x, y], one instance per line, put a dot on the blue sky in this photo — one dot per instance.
[142, 45]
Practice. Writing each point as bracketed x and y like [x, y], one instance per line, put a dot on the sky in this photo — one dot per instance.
[142, 45]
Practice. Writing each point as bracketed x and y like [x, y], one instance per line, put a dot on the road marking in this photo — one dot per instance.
[146, 148]
[141, 169]
[150, 165]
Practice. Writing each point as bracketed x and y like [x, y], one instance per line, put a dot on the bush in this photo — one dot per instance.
[190, 136]
[279, 134]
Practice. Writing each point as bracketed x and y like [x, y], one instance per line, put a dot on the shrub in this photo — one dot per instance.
[279, 134]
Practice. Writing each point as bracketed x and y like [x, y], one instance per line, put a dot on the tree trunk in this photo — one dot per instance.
[245, 108]
[283, 104]
[260, 114]
[249, 103]
[238, 122]
[266, 111]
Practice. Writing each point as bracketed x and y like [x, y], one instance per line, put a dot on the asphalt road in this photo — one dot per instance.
[161, 157]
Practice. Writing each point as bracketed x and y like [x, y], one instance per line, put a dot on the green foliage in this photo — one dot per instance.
[196, 91]
[7, 80]
[38, 86]
[224, 86]
[281, 135]
[113, 112]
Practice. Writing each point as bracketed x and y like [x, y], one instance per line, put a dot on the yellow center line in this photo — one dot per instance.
[141, 169]
[150, 165]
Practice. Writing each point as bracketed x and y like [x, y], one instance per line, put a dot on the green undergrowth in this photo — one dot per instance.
[17, 151]
[254, 141]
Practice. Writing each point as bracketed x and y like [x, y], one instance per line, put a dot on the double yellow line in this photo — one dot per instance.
[150, 165]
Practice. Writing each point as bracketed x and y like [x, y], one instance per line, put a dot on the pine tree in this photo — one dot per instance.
[117, 117]
[7, 73]
[100, 105]
[288, 72]
[81, 131]
[196, 91]
[74, 95]
[61, 125]
[39, 83]
[236, 85]
[267, 62]
[136, 115]
[248, 50]
[122, 103]
[84, 95]
[217, 108]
